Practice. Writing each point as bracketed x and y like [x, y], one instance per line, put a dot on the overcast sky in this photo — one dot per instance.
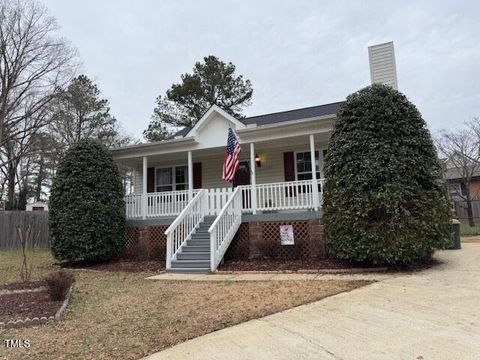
[296, 53]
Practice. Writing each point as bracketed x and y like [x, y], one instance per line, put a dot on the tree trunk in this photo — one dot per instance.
[39, 180]
[471, 220]
[11, 186]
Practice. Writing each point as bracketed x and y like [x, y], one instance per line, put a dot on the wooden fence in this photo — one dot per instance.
[460, 208]
[11, 220]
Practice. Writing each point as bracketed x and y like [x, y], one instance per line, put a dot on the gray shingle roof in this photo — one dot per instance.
[290, 115]
[297, 114]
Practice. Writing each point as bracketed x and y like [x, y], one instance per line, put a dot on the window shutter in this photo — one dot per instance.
[151, 179]
[197, 175]
[289, 166]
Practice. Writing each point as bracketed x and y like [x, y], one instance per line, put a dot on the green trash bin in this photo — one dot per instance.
[456, 235]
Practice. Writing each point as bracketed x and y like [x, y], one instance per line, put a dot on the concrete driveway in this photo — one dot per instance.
[434, 314]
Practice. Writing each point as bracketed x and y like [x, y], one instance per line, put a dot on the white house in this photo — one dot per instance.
[37, 206]
[178, 183]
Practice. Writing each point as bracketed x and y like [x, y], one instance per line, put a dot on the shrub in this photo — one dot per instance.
[87, 208]
[58, 284]
[385, 200]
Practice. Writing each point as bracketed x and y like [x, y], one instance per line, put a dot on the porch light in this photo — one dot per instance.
[258, 161]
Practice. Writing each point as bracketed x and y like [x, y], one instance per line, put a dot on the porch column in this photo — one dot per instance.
[253, 178]
[316, 201]
[190, 176]
[144, 188]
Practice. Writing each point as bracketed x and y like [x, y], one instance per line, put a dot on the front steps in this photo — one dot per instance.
[194, 256]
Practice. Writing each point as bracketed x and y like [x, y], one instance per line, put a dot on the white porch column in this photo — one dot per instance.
[316, 200]
[144, 188]
[253, 178]
[190, 176]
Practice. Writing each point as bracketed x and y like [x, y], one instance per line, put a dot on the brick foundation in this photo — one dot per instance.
[255, 239]
[262, 239]
[146, 242]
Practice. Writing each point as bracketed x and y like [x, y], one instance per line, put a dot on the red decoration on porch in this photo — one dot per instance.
[230, 160]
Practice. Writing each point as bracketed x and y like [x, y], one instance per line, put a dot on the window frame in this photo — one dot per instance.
[319, 172]
[174, 177]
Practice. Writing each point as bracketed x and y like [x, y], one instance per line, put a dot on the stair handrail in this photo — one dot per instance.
[184, 225]
[224, 227]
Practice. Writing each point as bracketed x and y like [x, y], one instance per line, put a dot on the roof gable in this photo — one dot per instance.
[208, 116]
[275, 118]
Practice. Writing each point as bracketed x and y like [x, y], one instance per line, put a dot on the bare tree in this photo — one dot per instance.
[461, 148]
[35, 65]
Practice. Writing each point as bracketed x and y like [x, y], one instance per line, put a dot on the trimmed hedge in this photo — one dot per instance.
[87, 207]
[385, 200]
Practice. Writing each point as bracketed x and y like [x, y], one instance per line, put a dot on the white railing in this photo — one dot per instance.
[184, 225]
[224, 228]
[289, 195]
[217, 198]
[133, 206]
[169, 203]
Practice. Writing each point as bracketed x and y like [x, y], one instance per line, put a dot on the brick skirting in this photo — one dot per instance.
[262, 239]
[255, 239]
[146, 242]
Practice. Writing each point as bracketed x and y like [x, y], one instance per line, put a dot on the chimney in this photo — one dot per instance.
[382, 64]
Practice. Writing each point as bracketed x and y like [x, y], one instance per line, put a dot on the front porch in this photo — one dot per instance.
[259, 198]
[178, 182]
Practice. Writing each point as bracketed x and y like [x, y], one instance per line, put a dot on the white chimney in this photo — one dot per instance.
[382, 64]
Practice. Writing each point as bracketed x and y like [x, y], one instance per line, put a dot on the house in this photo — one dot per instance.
[37, 206]
[458, 190]
[183, 210]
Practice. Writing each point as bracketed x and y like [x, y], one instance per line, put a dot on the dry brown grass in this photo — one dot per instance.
[124, 316]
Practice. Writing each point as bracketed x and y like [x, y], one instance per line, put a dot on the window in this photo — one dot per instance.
[303, 165]
[458, 189]
[171, 178]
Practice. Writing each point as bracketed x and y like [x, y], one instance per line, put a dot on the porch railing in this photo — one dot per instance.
[133, 206]
[224, 228]
[168, 203]
[290, 195]
[184, 225]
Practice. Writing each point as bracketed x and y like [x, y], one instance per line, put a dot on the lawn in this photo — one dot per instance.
[122, 315]
[467, 230]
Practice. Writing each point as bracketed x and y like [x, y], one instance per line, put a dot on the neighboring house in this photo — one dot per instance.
[37, 206]
[457, 187]
[458, 191]
[179, 186]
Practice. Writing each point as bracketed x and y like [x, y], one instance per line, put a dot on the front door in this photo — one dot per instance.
[242, 176]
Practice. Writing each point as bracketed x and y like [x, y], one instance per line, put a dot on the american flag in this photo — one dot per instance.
[230, 160]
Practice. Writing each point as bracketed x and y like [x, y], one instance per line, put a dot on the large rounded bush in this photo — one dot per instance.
[385, 201]
[87, 208]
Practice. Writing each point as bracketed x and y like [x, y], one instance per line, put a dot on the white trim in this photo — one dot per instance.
[283, 130]
[145, 188]
[190, 175]
[206, 117]
[253, 178]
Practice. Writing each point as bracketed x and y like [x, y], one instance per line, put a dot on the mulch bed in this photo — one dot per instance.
[318, 264]
[28, 304]
[125, 265]
[29, 285]
[284, 265]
